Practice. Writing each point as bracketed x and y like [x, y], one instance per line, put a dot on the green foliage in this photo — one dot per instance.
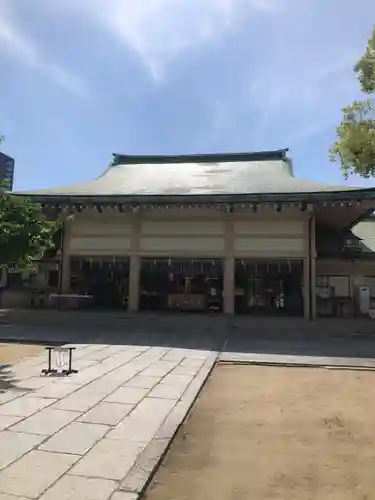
[365, 67]
[25, 232]
[354, 148]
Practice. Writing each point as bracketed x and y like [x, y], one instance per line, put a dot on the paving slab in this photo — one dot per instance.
[174, 355]
[160, 368]
[16, 444]
[139, 475]
[121, 495]
[80, 364]
[109, 459]
[10, 395]
[111, 381]
[88, 374]
[34, 473]
[4, 496]
[168, 391]
[186, 370]
[80, 488]
[174, 378]
[56, 390]
[81, 400]
[107, 413]
[46, 422]
[25, 406]
[76, 438]
[8, 420]
[129, 395]
[33, 383]
[134, 429]
[172, 386]
[143, 382]
[142, 424]
[153, 409]
[157, 351]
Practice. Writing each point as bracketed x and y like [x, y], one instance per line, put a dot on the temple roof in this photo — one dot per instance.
[365, 232]
[197, 176]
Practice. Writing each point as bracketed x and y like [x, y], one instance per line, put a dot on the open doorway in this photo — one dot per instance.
[269, 287]
[181, 285]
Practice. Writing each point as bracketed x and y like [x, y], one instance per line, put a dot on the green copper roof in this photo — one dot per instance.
[235, 175]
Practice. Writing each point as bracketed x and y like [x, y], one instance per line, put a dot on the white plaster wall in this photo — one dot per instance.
[100, 245]
[183, 228]
[260, 246]
[101, 226]
[193, 232]
[270, 238]
[188, 246]
[109, 233]
[276, 227]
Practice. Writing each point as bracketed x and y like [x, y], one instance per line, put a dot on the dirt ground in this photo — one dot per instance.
[13, 352]
[275, 433]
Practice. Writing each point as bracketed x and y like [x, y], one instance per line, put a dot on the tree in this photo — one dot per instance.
[354, 148]
[25, 231]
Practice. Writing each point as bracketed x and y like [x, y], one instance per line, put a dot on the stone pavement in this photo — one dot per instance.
[296, 360]
[100, 433]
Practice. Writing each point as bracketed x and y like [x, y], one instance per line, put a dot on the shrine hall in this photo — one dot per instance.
[233, 233]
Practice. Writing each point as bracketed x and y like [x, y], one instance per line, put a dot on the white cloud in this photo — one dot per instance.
[305, 98]
[160, 30]
[299, 62]
[16, 44]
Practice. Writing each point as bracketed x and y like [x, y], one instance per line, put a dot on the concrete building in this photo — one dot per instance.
[234, 233]
[6, 171]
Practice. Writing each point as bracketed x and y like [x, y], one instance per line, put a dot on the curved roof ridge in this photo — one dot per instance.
[122, 159]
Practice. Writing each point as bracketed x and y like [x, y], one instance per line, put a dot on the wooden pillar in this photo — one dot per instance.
[134, 275]
[306, 288]
[309, 268]
[313, 285]
[135, 264]
[229, 285]
[64, 278]
[3, 277]
[229, 266]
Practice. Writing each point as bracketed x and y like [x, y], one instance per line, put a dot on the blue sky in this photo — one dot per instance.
[81, 79]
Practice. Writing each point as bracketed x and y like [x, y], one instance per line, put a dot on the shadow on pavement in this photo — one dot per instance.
[7, 379]
[344, 337]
